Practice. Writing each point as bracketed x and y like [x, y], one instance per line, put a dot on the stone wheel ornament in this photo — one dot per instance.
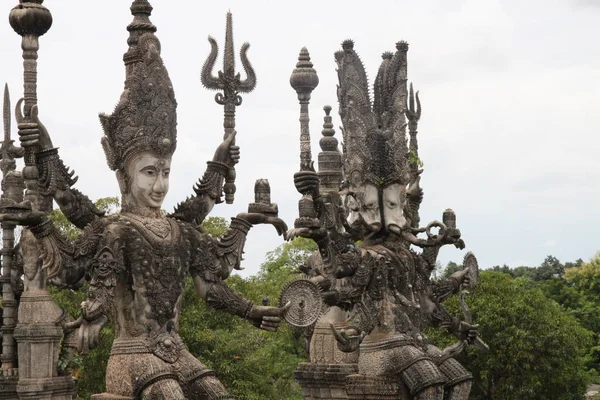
[306, 302]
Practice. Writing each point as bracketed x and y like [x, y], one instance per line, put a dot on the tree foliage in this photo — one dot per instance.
[251, 363]
[536, 348]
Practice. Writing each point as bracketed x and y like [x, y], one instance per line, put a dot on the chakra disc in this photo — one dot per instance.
[306, 302]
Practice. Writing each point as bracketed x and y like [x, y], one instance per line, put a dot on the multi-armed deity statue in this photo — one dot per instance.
[367, 295]
[377, 296]
[135, 262]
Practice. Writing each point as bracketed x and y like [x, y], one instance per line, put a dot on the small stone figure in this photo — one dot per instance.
[137, 262]
[382, 283]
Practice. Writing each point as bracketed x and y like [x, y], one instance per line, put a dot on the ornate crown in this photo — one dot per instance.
[145, 118]
[375, 146]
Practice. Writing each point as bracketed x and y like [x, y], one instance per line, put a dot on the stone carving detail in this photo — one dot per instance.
[381, 289]
[136, 262]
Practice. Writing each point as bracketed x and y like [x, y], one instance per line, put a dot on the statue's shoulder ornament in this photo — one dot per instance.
[87, 243]
[206, 255]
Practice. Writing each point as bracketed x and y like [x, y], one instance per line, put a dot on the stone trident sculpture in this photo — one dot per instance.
[382, 283]
[231, 85]
[136, 263]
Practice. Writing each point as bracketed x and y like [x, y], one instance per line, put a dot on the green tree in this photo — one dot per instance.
[586, 278]
[252, 364]
[536, 348]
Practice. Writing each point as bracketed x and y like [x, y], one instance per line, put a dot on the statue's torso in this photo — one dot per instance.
[392, 297]
[157, 254]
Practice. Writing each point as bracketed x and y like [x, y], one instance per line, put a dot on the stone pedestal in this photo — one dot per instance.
[324, 377]
[362, 387]
[55, 388]
[108, 396]
[38, 335]
[324, 381]
[8, 384]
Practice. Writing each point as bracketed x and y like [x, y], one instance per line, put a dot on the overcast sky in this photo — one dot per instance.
[510, 90]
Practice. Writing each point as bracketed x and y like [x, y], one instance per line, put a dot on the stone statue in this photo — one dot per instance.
[387, 287]
[136, 262]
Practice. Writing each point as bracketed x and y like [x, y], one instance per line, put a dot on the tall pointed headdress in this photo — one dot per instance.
[145, 117]
[375, 146]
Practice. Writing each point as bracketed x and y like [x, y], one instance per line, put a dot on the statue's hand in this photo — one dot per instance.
[266, 317]
[258, 218]
[314, 234]
[348, 340]
[24, 218]
[32, 133]
[88, 336]
[462, 276]
[227, 152]
[306, 182]
[468, 331]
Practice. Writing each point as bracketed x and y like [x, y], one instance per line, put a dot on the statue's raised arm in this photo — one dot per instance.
[55, 179]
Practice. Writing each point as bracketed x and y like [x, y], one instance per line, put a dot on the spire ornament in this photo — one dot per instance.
[145, 118]
[304, 80]
[330, 158]
[229, 82]
[12, 200]
[30, 19]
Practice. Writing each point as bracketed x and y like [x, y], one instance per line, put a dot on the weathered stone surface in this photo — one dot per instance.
[108, 396]
[383, 285]
[136, 263]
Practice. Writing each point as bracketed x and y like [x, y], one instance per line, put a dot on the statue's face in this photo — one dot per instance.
[394, 201]
[148, 180]
[362, 204]
[367, 213]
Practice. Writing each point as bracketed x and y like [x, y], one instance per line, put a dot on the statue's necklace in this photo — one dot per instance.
[159, 227]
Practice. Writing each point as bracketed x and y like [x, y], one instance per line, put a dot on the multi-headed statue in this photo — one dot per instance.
[365, 232]
[136, 262]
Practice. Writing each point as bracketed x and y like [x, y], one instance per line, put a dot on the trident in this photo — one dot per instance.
[231, 85]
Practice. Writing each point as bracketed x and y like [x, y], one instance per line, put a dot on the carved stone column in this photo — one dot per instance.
[39, 330]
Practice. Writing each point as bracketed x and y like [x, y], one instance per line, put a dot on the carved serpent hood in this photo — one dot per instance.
[145, 118]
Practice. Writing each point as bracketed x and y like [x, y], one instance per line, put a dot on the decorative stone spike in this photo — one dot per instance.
[330, 159]
[304, 80]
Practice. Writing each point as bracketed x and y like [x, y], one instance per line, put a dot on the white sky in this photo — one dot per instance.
[508, 135]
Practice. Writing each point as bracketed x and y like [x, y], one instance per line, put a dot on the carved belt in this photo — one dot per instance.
[165, 346]
[387, 343]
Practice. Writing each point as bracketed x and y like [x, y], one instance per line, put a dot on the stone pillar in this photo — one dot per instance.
[39, 330]
[9, 374]
[38, 335]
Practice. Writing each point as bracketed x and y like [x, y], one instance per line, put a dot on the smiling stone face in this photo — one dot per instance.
[148, 180]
